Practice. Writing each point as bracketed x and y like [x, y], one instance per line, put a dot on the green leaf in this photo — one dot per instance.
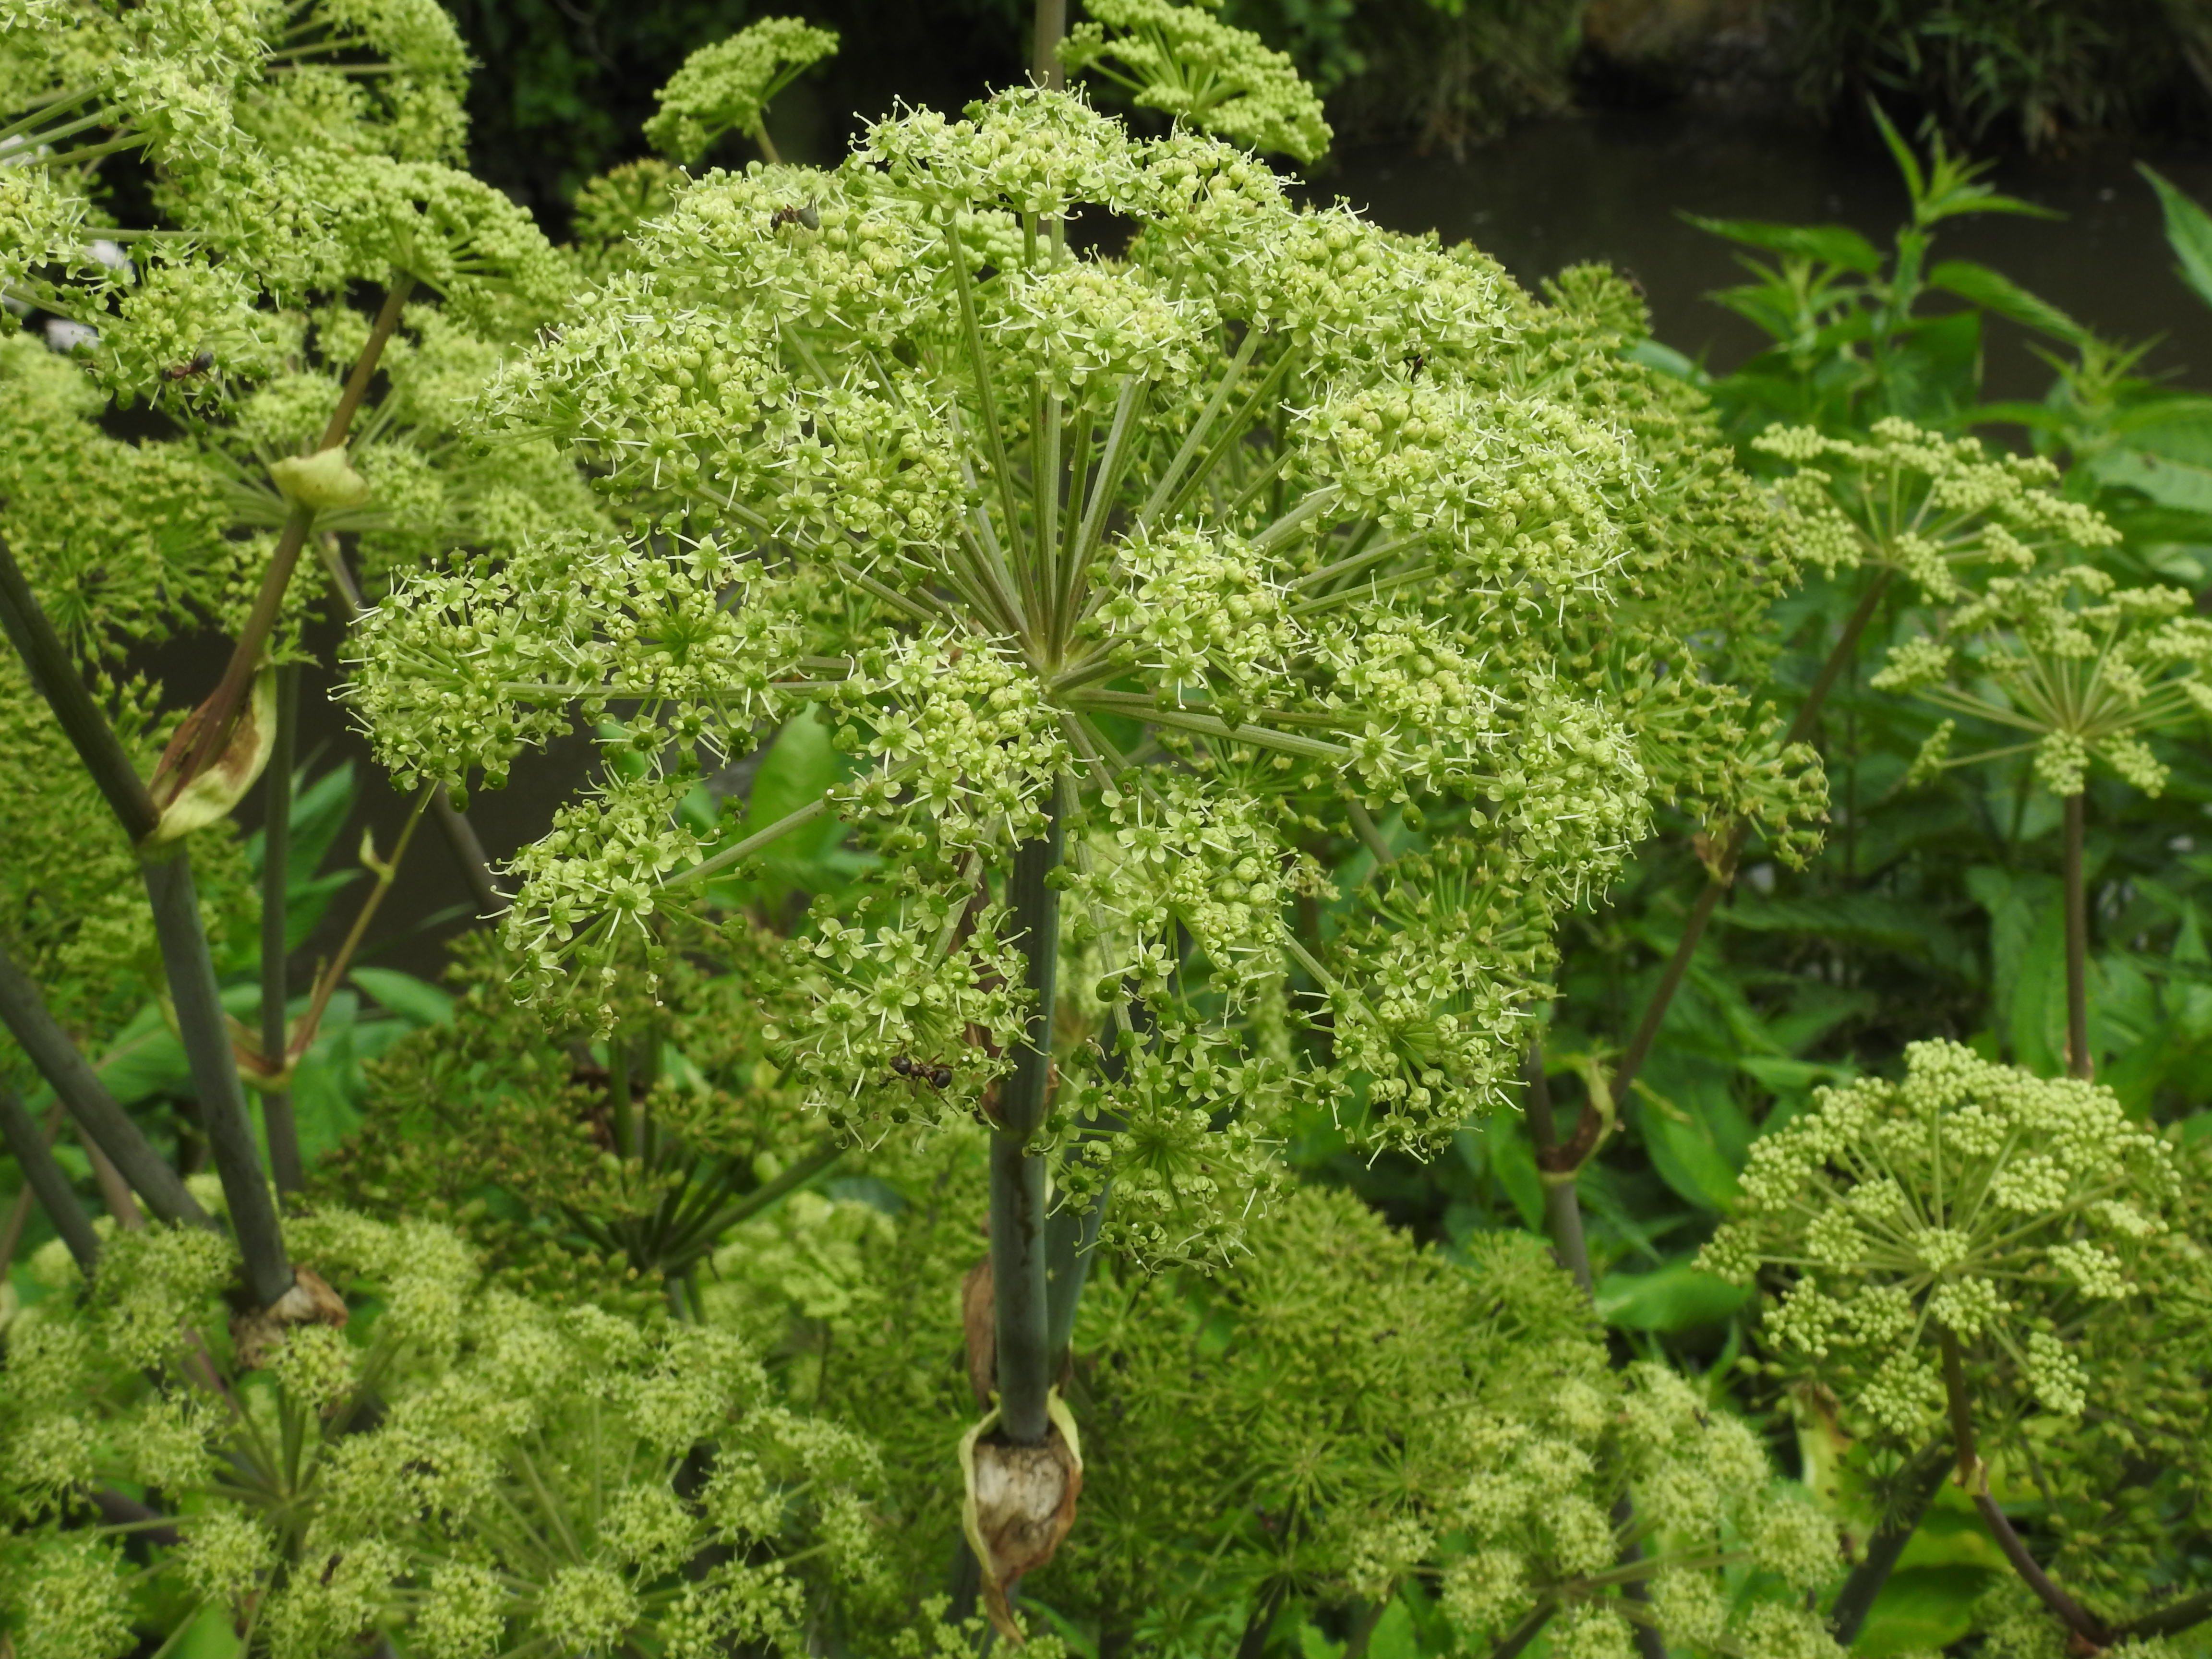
[1993, 291]
[145, 1059]
[1500, 1143]
[416, 1001]
[2169, 459]
[1916, 182]
[1393, 1635]
[796, 769]
[211, 1637]
[1780, 1076]
[1935, 371]
[1666, 361]
[1684, 1148]
[2188, 231]
[1921, 1608]
[1835, 245]
[1679, 1298]
[2036, 1020]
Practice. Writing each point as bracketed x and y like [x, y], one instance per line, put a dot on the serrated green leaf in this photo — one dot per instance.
[1835, 245]
[1994, 291]
[2188, 231]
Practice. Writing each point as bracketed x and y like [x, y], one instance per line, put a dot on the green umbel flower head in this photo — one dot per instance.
[726, 86]
[2007, 1209]
[1212, 552]
[1921, 505]
[2082, 668]
[1184, 60]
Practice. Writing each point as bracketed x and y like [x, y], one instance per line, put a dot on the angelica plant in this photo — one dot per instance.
[476, 1476]
[1984, 1257]
[1900, 502]
[1128, 584]
[1342, 1414]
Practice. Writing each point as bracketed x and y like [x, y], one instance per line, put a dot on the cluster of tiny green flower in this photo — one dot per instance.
[523, 1482]
[1970, 1200]
[1343, 1412]
[2083, 667]
[724, 87]
[1186, 62]
[1921, 504]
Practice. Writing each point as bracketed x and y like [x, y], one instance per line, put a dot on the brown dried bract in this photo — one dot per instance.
[1020, 1503]
[309, 1302]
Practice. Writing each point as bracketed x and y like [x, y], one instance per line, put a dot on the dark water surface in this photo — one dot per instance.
[1609, 186]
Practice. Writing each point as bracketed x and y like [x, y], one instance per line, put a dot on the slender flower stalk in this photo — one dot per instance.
[79, 1088]
[276, 859]
[26, 1144]
[219, 715]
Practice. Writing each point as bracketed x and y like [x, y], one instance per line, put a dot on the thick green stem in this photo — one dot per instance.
[19, 1212]
[79, 1088]
[1018, 1172]
[26, 1144]
[223, 1117]
[1051, 28]
[1922, 1479]
[276, 993]
[2079, 1061]
[1023, 1304]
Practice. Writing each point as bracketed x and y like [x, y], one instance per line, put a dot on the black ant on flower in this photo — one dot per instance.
[804, 217]
[937, 1077]
[201, 363]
